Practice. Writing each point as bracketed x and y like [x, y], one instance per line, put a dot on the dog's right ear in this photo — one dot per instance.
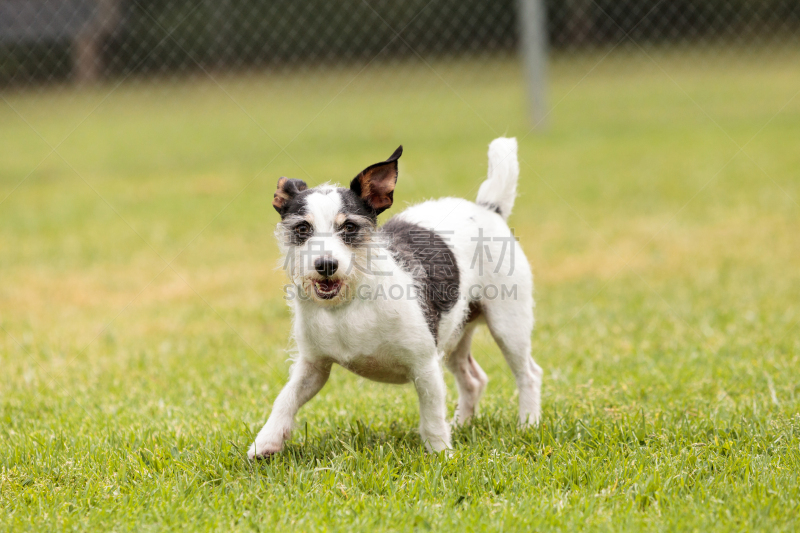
[287, 189]
[375, 184]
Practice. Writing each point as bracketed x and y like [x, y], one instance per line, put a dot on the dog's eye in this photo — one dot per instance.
[303, 230]
[349, 227]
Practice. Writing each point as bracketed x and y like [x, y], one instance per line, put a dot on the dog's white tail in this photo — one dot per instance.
[500, 188]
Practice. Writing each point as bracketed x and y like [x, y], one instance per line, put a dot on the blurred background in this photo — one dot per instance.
[140, 144]
[141, 310]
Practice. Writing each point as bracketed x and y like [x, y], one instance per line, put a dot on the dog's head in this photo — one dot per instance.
[327, 232]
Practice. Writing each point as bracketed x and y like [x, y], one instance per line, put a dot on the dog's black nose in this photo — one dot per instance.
[326, 266]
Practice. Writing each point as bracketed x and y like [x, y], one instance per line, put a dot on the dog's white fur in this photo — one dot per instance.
[388, 339]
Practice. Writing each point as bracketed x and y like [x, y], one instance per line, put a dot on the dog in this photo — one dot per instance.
[390, 302]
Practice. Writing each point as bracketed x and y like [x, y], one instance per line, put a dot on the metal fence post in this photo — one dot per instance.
[532, 19]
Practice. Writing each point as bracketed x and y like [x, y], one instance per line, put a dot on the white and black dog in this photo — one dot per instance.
[388, 303]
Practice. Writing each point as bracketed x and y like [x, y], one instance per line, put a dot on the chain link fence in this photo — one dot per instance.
[81, 41]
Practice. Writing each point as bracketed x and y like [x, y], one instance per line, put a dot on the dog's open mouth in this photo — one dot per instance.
[327, 288]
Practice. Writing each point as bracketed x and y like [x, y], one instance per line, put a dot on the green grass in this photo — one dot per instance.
[144, 335]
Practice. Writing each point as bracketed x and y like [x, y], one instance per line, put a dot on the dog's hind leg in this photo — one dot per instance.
[470, 377]
[511, 324]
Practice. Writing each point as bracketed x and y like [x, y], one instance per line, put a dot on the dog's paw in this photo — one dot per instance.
[530, 420]
[263, 448]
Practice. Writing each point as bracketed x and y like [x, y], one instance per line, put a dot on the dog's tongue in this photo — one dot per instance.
[328, 285]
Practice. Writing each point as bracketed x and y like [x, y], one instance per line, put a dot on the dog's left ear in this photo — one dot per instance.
[375, 184]
[287, 189]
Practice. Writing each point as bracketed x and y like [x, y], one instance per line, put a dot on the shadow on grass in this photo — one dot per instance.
[400, 438]
[497, 431]
[357, 437]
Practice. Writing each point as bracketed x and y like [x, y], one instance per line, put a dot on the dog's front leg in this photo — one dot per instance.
[433, 426]
[306, 380]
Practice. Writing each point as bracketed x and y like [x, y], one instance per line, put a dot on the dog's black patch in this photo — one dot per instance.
[428, 258]
[297, 204]
[352, 203]
[491, 207]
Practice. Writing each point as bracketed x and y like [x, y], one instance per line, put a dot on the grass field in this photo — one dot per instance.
[144, 335]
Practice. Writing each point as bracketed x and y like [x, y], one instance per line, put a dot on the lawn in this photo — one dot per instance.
[144, 336]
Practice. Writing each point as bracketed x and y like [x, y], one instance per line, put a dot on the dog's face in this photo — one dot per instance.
[327, 232]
